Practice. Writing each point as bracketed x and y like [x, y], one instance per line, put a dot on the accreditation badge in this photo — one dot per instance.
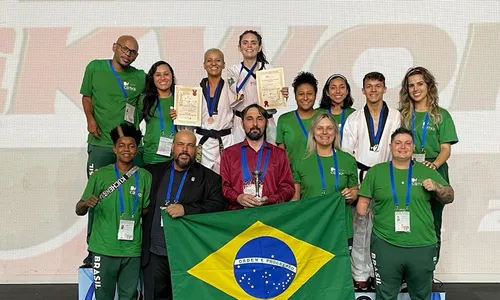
[126, 230]
[165, 146]
[129, 113]
[402, 220]
[418, 157]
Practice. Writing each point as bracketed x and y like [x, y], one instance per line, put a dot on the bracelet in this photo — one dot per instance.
[434, 165]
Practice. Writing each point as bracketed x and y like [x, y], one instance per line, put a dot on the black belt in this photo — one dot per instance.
[362, 169]
[215, 134]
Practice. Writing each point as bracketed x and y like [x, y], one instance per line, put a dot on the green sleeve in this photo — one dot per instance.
[295, 171]
[147, 189]
[279, 131]
[86, 88]
[366, 189]
[434, 175]
[447, 131]
[91, 186]
[353, 172]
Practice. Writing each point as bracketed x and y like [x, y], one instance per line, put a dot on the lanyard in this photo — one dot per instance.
[424, 130]
[171, 183]
[301, 123]
[408, 185]
[244, 163]
[376, 138]
[322, 175]
[160, 116]
[120, 193]
[211, 100]
[242, 85]
[342, 122]
[120, 82]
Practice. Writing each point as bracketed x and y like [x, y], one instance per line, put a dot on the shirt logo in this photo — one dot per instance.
[127, 86]
[133, 190]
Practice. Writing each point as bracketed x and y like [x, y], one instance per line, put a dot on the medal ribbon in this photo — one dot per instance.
[408, 185]
[171, 183]
[242, 85]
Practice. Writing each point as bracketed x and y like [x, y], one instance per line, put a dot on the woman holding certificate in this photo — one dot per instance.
[337, 100]
[155, 110]
[293, 126]
[432, 127]
[326, 169]
[243, 84]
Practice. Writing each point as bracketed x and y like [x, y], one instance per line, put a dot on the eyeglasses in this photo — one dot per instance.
[127, 50]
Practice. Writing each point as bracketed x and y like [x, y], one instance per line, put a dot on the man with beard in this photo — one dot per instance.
[181, 187]
[252, 160]
[110, 91]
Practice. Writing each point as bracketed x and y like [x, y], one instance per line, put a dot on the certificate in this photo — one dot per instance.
[188, 104]
[269, 85]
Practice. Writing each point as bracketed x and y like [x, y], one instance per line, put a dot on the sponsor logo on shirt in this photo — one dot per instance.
[416, 182]
[133, 190]
[127, 86]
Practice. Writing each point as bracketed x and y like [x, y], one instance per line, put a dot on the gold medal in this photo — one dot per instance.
[239, 97]
[210, 120]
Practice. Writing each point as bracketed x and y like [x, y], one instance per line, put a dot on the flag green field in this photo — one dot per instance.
[295, 250]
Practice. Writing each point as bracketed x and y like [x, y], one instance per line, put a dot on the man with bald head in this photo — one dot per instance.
[110, 92]
[182, 187]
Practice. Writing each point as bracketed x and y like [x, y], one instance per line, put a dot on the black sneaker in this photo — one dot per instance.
[87, 261]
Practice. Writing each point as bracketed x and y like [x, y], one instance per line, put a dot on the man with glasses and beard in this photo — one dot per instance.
[110, 92]
[255, 172]
[181, 187]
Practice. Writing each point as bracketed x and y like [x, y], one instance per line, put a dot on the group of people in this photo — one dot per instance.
[376, 157]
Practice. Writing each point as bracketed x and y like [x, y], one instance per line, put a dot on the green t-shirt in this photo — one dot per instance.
[104, 235]
[153, 130]
[290, 133]
[436, 135]
[377, 186]
[306, 173]
[108, 101]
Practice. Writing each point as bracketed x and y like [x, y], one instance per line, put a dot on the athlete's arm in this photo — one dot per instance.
[83, 206]
[89, 114]
[362, 206]
[444, 194]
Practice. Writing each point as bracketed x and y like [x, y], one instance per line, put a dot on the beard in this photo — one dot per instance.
[255, 133]
[184, 163]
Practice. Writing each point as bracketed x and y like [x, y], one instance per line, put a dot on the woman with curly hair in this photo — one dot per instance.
[432, 126]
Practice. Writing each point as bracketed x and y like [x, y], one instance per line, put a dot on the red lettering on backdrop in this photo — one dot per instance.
[183, 49]
[46, 53]
[477, 82]
[429, 46]
[8, 38]
[296, 49]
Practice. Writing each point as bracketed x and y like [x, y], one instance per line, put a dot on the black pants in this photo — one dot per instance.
[157, 282]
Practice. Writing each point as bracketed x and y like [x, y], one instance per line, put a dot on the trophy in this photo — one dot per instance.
[256, 175]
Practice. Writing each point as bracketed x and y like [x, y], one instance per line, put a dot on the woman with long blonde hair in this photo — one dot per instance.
[432, 127]
[326, 169]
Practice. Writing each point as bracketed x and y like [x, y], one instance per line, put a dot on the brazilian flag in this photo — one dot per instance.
[295, 250]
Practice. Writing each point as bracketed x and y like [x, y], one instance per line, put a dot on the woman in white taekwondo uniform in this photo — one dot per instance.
[367, 135]
[217, 116]
[243, 84]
